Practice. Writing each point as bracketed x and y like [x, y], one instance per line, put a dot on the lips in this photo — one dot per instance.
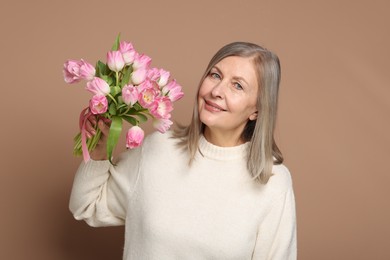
[211, 106]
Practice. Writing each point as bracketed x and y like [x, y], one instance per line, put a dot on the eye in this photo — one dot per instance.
[215, 75]
[238, 86]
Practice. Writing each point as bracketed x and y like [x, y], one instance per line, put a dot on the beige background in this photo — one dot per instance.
[333, 120]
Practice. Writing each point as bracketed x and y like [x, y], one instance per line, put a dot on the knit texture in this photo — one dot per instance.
[212, 209]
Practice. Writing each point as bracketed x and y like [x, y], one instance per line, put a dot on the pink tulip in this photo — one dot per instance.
[160, 76]
[98, 86]
[173, 91]
[134, 137]
[162, 109]
[128, 52]
[162, 125]
[87, 71]
[71, 71]
[146, 97]
[98, 104]
[153, 74]
[129, 95]
[164, 77]
[138, 76]
[145, 85]
[115, 61]
[141, 61]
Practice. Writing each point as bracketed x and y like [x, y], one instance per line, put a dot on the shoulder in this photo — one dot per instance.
[281, 180]
[157, 139]
[150, 143]
[158, 142]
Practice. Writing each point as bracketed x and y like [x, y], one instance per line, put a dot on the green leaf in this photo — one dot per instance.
[122, 107]
[101, 69]
[105, 78]
[115, 47]
[113, 135]
[136, 109]
[110, 80]
[142, 117]
[112, 109]
[126, 76]
[115, 90]
[120, 101]
[130, 119]
[137, 106]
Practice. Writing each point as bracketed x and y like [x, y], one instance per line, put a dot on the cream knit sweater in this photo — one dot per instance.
[211, 210]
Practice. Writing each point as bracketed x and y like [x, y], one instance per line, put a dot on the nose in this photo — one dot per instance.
[218, 90]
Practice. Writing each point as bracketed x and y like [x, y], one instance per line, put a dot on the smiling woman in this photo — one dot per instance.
[227, 100]
[215, 189]
[262, 71]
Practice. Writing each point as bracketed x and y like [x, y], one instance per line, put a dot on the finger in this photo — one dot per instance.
[106, 121]
[89, 129]
[93, 120]
[103, 127]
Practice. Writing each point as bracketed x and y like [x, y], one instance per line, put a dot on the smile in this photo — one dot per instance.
[210, 106]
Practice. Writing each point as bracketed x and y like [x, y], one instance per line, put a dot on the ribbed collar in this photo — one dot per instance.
[212, 151]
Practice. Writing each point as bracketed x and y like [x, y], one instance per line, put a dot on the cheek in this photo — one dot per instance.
[200, 103]
[252, 108]
[237, 106]
[252, 102]
[206, 87]
[201, 95]
[202, 90]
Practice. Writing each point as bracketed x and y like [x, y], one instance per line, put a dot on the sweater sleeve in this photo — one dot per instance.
[101, 191]
[276, 238]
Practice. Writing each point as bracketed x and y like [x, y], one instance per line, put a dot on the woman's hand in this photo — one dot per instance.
[100, 151]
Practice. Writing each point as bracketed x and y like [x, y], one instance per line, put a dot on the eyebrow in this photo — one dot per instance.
[235, 77]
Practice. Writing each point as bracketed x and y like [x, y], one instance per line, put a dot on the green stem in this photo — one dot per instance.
[113, 99]
[127, 110]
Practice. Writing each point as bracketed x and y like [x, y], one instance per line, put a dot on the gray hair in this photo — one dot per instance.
[263, 152]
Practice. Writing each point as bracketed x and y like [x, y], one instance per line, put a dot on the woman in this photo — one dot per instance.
[213, 190]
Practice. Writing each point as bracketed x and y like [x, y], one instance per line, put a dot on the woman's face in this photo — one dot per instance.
[227, 97]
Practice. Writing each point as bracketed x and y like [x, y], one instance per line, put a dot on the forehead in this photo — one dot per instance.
[235, 66]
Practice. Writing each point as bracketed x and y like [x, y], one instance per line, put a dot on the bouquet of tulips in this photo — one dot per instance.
[125, 88]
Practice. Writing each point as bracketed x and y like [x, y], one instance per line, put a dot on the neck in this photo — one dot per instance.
[222, 138]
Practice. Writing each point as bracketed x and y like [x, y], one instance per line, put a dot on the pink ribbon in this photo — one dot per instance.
[84, 115]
